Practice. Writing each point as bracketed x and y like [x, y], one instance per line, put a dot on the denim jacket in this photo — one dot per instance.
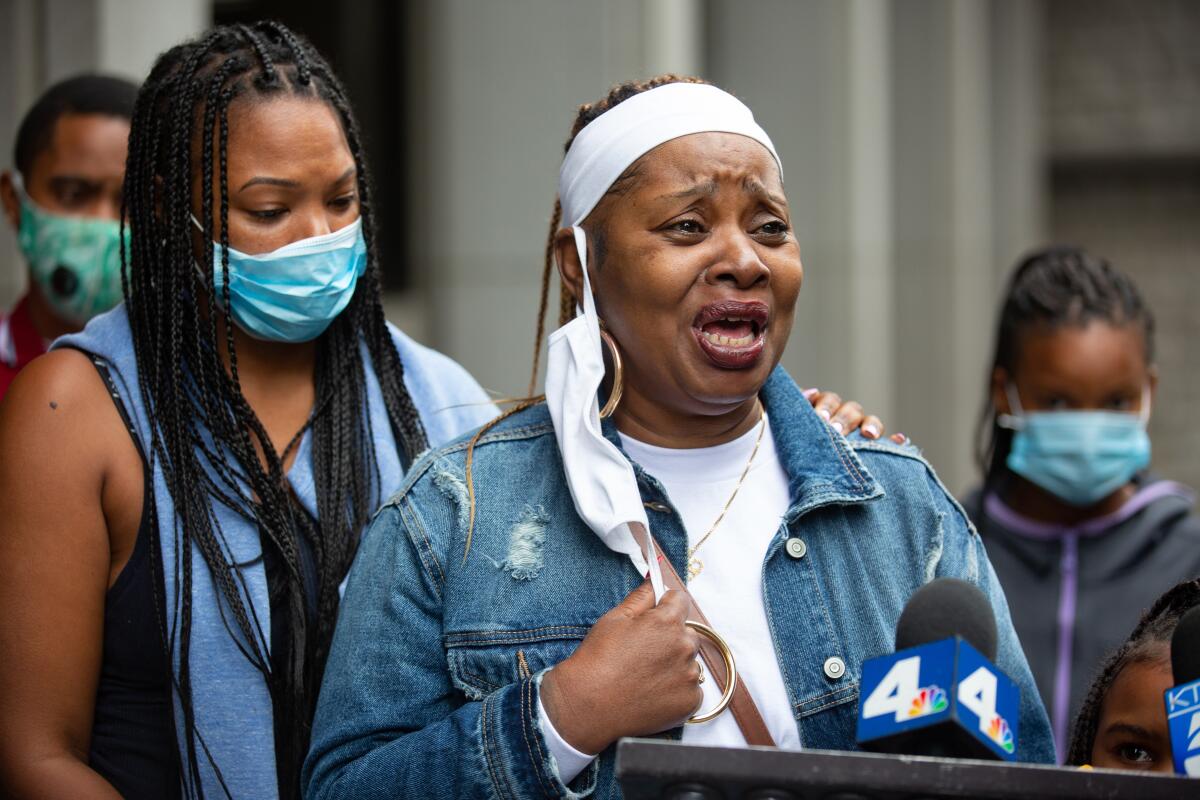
[431, 688]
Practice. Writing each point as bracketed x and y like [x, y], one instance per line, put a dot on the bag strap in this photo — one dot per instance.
[745, 712]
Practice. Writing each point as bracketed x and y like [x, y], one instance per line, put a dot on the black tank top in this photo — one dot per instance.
[133, 737]
[133, 732]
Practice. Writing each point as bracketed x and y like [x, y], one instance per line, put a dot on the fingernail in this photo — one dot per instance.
[824, 412]
[809, 394]
[870, 431]
[837, 426]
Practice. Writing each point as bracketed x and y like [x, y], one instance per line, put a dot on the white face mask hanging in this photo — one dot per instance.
[601, 480]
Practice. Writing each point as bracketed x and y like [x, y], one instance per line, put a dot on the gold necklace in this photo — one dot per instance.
[694, 565]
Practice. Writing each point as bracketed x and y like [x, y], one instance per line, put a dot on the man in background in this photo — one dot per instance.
[63, 200]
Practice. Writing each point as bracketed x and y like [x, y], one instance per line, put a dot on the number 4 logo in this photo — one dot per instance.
[1191, 764]
[895, 692]
[978, 693]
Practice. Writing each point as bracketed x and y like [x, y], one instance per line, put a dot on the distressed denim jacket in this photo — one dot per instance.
[431, 688]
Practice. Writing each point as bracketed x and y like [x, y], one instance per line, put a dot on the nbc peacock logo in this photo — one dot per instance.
[999, 732]
[929, 700]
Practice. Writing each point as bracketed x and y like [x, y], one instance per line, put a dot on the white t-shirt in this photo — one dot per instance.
[729, 589]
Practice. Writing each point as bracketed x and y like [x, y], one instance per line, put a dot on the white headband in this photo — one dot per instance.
[601, 480]
[609, 144]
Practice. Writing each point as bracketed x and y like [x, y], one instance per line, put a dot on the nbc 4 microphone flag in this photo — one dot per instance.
[946, 684]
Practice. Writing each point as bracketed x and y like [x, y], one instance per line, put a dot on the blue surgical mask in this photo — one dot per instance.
[292, 294]
[1079, 456]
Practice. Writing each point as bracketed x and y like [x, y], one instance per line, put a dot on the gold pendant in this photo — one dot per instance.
[695, 567]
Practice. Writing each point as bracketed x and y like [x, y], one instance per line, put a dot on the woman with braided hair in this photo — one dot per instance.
[184, 483]
[1082, 535]
[498, 635]
[1123, 724]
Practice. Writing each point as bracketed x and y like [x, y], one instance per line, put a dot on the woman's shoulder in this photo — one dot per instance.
[108, 334]
[887, 448]
[515, 444]
[1168, 515]
[57, 419]
[63, 379]
[513, 461]
[891, 462]
[905, 475]
[894, 466]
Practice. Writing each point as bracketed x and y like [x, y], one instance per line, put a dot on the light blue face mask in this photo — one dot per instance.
[292, 294]
[1079, 456]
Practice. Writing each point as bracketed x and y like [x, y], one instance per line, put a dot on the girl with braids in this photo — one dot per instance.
[1122, 724]
[497, 610]
[185, 482]
[1080, 534]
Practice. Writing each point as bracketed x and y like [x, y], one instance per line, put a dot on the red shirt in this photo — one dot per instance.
[20, 343]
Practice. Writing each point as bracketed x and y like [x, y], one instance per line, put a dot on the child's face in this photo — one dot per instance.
[1096, 367]
[1132, 733]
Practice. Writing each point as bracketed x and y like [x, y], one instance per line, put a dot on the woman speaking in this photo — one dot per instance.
[497, 610]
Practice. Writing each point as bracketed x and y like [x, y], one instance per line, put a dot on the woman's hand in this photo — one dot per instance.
[847, 416]
[634, 674]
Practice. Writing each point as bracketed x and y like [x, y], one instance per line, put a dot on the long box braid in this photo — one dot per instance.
[204, 432]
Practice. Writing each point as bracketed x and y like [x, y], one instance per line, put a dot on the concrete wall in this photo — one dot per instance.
[915, 137]
[1122, 78]
[494, 94]
[1123, 110]
[888, 120]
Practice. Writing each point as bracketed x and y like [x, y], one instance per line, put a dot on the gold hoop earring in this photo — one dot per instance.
[614, 396]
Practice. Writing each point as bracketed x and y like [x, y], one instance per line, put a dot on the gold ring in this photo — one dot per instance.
[730, 671]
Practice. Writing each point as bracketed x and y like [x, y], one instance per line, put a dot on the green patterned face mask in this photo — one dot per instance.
[75, 260]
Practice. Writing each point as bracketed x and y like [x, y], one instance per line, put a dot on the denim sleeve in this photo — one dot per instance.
[963, 556]
[389, 722]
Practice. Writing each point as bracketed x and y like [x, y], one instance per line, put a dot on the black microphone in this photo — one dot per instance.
[940, 694]
[1183, 699]
[945, 608]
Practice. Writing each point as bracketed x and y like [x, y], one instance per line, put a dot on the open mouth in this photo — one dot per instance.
[731, 332]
